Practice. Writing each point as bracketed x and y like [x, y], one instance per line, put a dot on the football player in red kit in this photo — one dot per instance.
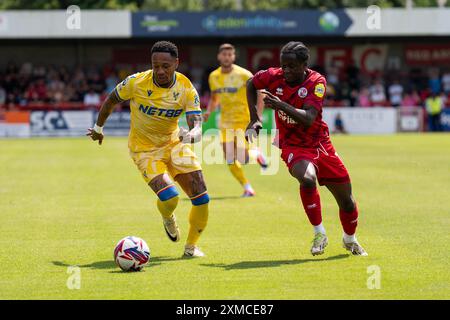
[296, 94]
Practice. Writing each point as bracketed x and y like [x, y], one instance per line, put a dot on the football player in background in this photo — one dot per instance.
[228, 89]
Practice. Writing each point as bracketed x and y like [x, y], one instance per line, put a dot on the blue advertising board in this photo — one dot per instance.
[60, 123]
[254, 23]
[445, 119]
[118, 123]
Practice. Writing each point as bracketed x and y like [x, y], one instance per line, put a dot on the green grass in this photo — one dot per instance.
[67, 202]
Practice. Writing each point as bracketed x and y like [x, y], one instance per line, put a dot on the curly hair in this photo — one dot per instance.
[297, 48]
[165, 46]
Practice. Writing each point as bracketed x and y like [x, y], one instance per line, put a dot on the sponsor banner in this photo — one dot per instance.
[240, 23]
[60, 123]
[374, 22]
[15, 124]
[71, 23]
[376, 120]
[445, 119]
[334, 56]
[371, 59]
[410, 119]
[427, 54]
[118, 123]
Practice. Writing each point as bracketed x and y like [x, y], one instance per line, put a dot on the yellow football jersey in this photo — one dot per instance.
[155, 110]
[231, 88]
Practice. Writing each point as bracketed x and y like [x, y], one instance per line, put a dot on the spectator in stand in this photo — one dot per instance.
[41, 89]
[444, 99]
[352, 76]
[333, 75]
[32, 94]
[56, 88]
[12, 98]
[95, 82]
[353, 98]
[2, 96]
[10, 82]
[111, 82]
[395, 93]
[91, 99]
[434, 105]
[434, 82]
[411, 99]
[339, 125]
[26, 69]
[377, 94]
[364, 98]
[331, 91]
[27, 83]
[446, 82]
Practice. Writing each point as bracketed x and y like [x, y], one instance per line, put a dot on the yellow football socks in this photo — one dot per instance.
[198, 218]
[167, 207]
[237, 172]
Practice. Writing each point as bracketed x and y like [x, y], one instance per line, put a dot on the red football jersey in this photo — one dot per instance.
[311, 92]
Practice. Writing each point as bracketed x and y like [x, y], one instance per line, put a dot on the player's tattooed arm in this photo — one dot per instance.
[194, 134]
[107, 108]
[305, 116]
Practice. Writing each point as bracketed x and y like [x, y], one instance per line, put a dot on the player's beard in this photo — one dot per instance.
[227, 65]
[164, 81]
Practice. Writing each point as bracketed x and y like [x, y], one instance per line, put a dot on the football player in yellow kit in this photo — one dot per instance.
[228, 88]
[158, 147]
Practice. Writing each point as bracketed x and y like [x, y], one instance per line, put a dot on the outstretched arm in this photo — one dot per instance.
[107, 108]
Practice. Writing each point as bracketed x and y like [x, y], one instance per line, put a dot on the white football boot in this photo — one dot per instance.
[171, 227]
[191, 251]
[355, 248]
[248, 191]
[319, 243]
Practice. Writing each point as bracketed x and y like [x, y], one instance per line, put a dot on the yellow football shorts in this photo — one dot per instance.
[174, 159]
[234, 133]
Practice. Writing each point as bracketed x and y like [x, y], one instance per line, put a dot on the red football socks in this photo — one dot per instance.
[311, 203]
[349, 220]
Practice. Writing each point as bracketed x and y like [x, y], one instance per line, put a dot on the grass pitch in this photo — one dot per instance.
[66, 202]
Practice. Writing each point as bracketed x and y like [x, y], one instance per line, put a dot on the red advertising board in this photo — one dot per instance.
[262, 58]
[427, 54]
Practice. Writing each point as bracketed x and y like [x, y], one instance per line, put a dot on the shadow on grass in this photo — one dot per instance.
[270, 263]
[110, 264]
[218, 198]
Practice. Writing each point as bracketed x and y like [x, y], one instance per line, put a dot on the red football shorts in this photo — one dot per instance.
[328, 164]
